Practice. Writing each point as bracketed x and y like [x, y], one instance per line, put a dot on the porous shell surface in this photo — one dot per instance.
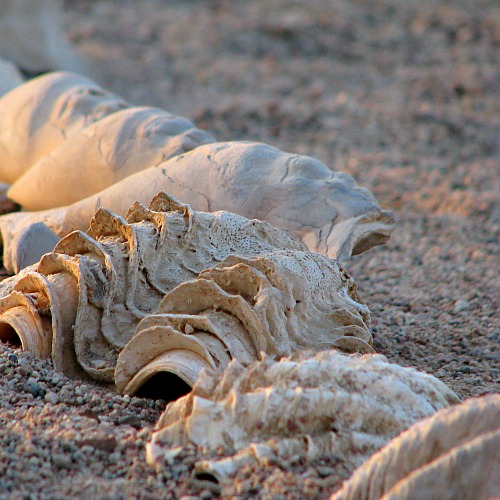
[329, 404]
[278, 302]
[82, 302]
[453, 454]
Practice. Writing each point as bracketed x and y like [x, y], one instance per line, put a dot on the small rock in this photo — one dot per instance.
[461, 305]
[52, 398]
[62, 461]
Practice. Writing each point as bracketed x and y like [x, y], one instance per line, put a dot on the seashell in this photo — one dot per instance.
[452, 454]
[326, 210]
[276, 303]
[169, 291]
[102, 154]
[40, 115]
[64, 138]
[311, 406]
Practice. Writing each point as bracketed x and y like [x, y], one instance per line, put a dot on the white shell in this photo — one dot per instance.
[453, 454]
[82, 302]
[58, 145]
[332, 404]
[40, 115]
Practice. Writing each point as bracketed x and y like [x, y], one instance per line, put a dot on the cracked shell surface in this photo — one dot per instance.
[326, 210]
[328, 404]
[453, 454]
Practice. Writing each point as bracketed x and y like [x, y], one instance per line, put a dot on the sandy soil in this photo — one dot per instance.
[401, 95]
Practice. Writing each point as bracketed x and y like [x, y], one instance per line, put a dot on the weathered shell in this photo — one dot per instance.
[58, 145]
[118, 272]
[276, 303]
[453, 454]
[40, 115]
[104, 153]
[330, 404]
[324, 209]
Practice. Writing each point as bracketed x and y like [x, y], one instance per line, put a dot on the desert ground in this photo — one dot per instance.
[403, 96]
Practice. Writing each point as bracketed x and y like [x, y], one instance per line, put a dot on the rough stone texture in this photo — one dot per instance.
[453, 454]
[328, 405]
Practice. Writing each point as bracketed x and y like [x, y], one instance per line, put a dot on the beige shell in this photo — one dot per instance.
[453, 454]
[276, 303]
[40, 115]
[104, 153]
[328, 404]
[324, 209]
[82, 302]
[58, 145]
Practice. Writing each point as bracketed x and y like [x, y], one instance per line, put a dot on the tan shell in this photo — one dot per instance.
[58, 145]
[328, 404]
[324, 209]
[118, 273]
[40, 115]
[277, 303]
[104, 153]
[453, 454]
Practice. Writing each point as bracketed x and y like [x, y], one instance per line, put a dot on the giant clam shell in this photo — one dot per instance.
[65, 139]
[453, 454]
[308, 406]
[214, 284]
[37, 117]
[276, 303]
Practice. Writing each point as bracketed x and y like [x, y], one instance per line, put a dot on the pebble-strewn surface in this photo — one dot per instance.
[401, 95]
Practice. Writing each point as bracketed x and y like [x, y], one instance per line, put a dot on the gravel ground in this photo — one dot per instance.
[401, 95]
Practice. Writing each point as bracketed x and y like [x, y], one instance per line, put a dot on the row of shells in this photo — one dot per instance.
[256, 335]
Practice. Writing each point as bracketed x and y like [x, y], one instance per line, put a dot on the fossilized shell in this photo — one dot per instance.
[40, 115]
[331, 404]
[324, 209]
[118, 272]
[453, 454]
[277, 303]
